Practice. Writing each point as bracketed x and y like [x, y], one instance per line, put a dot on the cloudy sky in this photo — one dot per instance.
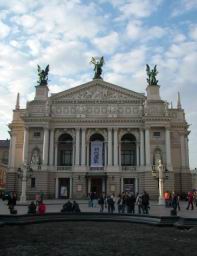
[128, 33]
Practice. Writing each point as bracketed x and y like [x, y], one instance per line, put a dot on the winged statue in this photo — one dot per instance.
[43, 75]
[152, 75]
[98, 63]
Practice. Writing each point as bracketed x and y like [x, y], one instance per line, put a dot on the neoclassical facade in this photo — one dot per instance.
[98, 137]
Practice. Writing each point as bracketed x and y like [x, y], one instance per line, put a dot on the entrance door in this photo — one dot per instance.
[96, 186]
[64, 188]
[129, 185]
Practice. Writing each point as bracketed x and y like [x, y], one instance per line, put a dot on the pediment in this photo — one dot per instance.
[97, 90]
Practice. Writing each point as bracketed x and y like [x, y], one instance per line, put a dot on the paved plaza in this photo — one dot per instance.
[56, 206]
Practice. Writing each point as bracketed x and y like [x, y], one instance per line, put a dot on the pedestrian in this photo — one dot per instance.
[190, 198]
[119, 204]
[41, 208]
[67, 207]
[75, 207]
[131, 203]
[174, 203]
[11, 204]
[101, 202]
[32, 208]
[139, 203]
[166, 197]
[178, 202]
[110, 203]
[145, 202]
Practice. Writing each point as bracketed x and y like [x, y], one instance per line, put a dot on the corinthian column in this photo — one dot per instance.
[168, 148]
[83, 147]
[147, 144]
[51, 157]
[77, 147]
[25, 144]
[45, 146]
[109, 146]
[115, 147]
[141, 147]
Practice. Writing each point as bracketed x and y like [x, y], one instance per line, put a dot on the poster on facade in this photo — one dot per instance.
[63, 191]
[96, 154]
[128, 187]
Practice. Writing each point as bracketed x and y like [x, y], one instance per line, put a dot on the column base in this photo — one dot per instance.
[23, 199]
[161, 201]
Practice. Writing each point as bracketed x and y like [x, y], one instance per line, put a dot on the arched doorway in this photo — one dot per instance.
[128, 150]
[97, 162]
[65, 150]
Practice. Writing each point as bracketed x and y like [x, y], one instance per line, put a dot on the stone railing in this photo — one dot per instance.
[128, 168]
[96, 168]
[64, 168]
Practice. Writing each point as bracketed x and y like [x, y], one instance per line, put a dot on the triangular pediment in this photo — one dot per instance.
[97, 90]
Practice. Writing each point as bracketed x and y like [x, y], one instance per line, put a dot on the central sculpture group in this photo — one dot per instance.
[98, 63]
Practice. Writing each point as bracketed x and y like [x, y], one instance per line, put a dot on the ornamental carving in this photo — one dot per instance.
[98, 93]
[98, 110]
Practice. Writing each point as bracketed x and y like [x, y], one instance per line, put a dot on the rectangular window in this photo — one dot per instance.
[156, 134]
[36, 134]
[33, 182]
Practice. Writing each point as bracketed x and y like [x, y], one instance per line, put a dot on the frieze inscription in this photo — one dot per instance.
[95, 110]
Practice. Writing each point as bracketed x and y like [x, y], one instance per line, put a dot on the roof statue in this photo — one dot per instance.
[151, 75]
[98, 63]
[43, 75]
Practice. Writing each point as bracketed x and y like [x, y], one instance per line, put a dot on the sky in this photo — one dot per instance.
[129, 34]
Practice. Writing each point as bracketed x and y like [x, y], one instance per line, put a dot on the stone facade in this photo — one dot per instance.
[57, 135]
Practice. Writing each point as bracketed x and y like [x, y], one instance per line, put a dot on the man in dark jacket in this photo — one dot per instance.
[145, 202]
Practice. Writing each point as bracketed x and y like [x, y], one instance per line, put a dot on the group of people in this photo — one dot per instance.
[173, 200]
[125, 203]
[70, 207]
[37, 208]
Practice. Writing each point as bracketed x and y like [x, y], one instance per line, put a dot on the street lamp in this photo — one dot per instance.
[24, 174]
[160, 173]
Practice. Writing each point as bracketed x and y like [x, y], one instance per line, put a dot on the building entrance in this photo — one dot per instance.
[129, 185]
[64, 188]
[96, 186]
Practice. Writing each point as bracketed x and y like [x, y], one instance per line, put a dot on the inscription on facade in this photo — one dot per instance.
[102, 110]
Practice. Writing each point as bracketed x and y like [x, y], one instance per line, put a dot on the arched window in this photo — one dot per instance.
[128, 150]
[65, 150]
[97, 151]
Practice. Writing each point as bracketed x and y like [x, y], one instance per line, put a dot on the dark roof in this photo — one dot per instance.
[4, 143]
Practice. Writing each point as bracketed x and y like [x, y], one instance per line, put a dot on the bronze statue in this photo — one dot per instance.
[43, 75]
[152, 75]
[98, 63]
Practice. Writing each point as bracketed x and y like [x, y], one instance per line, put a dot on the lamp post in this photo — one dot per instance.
[161, 174]
[24, 174]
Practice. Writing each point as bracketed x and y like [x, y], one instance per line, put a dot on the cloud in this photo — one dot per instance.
[4, 30]
[107, 44]
[183, 6]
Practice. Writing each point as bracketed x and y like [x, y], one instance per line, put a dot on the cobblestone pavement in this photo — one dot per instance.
[96, 239]
[56, 206]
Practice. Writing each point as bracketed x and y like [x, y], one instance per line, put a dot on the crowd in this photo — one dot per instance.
[125, 203]
[173, 200]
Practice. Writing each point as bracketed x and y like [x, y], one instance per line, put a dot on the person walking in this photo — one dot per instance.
[139, 203]
[32, 208]
[190, 198]
[101, 202]
[41, 208]
[174, 204]
[119, 203]
[145, 202]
